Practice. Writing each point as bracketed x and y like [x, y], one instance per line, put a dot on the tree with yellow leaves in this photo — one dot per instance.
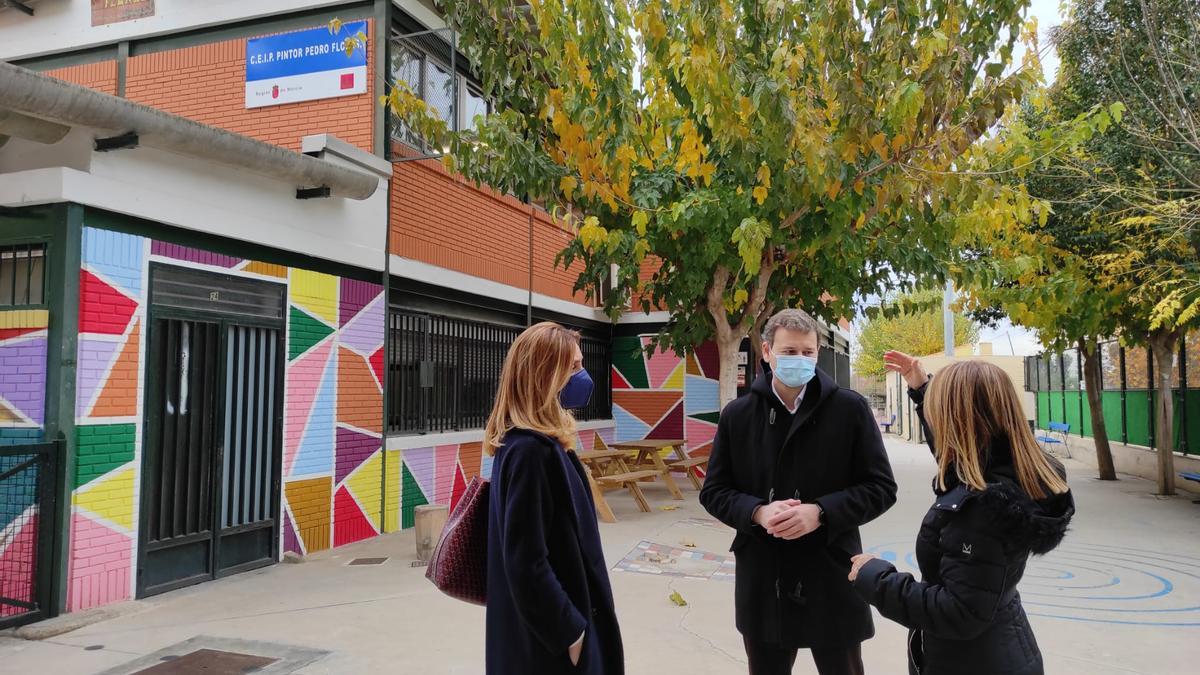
[762, 153]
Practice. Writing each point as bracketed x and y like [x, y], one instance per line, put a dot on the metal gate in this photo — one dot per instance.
[26, 531]
[213, 435]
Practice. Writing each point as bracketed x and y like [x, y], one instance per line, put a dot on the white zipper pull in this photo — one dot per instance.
[771, 419]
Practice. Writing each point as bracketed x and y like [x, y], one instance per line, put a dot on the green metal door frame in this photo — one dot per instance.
[59, 227]
[153, 416]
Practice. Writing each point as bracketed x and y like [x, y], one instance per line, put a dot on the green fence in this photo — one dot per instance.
[1127, 401]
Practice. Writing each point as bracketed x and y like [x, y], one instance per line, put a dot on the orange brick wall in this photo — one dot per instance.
[100, 76]
[446, 221]
[207, 83]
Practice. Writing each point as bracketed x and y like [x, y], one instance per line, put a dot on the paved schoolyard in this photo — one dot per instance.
[1122, 595]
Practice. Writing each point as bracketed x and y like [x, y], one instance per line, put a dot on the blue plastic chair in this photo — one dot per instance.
[1060, 428]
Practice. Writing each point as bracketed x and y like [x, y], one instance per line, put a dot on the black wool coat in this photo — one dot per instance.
[547, 579]
[966, 614]
[795, 593]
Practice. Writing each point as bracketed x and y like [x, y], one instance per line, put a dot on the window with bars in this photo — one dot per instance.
[444, 372]
[22, 275]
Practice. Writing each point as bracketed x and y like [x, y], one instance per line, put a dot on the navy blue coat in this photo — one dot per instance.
[547, 578]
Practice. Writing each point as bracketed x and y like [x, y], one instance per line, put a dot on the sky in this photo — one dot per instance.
[1048, 15]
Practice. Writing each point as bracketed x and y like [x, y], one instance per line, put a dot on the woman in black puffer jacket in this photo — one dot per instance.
[999, 499]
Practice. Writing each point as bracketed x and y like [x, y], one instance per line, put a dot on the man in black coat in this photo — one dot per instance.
[797, 466]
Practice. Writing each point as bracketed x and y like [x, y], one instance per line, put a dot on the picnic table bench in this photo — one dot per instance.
[607, 470]
[650, 454]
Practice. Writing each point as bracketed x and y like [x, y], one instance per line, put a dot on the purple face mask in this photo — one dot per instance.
[578, 390]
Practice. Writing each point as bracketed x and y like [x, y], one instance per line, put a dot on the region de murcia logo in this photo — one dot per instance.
[275, 91]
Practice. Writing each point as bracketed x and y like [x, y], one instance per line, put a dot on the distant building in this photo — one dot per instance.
[898, 404]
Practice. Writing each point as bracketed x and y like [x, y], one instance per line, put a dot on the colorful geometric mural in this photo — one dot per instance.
[108, 400]
[332, 460]
[439, 474]
[22, 375]
[657, 394]
[333, 428]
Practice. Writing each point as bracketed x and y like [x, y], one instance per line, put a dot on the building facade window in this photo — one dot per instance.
[422, 61]
[444, 372]
[22, 275]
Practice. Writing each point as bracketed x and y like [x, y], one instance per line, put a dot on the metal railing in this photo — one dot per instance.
[26, 531]
[1127, 396]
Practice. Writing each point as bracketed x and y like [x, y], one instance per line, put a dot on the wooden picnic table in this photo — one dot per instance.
[678, 447]
[649, 453]
[608, 470]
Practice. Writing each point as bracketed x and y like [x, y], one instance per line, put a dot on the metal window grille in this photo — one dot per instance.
[425, 62]
[444, 372]
[429, 64]
[22, 275]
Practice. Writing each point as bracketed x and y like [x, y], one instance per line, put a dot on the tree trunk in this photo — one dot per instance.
[729, 336]
[727, 351]
[1164, 343]
[1090, 349]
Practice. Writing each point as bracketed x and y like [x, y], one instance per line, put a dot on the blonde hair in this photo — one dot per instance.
[537, 367]
[971, 403]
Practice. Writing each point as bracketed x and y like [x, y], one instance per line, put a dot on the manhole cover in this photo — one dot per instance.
[368, 561]
[210, 662]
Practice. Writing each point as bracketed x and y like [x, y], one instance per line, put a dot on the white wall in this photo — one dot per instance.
[199, 195]
[64, 25]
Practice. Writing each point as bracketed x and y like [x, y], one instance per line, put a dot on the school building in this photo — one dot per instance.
[244, 312]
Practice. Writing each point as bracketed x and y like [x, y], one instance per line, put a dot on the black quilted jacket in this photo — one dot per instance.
[965, 615]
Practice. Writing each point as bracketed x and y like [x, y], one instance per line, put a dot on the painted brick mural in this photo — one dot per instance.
[439, 474]
[332, 464]
[108, 397]
[22, 375]
[661, 395]
[333, 431]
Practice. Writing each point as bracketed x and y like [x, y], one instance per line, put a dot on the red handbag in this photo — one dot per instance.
[458, 566]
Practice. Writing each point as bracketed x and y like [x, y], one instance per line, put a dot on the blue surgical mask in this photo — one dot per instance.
[794, 370]
[578, 390]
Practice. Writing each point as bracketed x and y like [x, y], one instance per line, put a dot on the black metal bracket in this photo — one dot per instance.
[313, 193]
[123, 142]
[20, 6]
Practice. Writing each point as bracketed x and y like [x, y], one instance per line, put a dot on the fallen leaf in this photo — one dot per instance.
[678, 599]
[688, 543]
[669, 507]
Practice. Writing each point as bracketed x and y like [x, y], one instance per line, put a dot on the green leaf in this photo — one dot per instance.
[1117, 110]
[639, 220]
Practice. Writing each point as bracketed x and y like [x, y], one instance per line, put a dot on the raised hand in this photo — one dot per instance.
[908, 367]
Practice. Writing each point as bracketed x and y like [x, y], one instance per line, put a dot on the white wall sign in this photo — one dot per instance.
[304, 66]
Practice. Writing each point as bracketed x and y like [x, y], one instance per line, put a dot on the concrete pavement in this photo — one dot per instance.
[1121, 596]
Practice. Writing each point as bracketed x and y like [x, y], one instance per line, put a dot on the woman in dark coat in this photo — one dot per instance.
[549, 606]
[999, 499]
